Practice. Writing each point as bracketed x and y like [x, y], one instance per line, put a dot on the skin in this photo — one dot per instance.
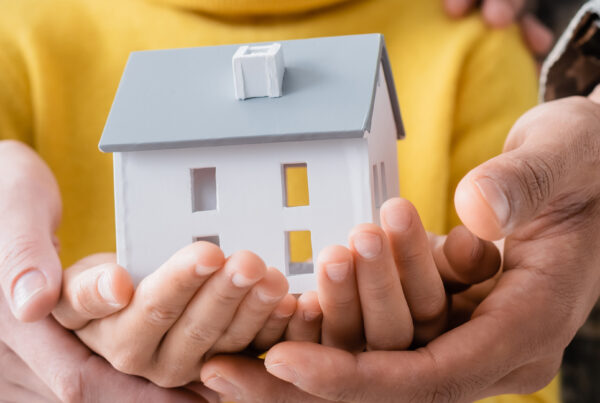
[501, 13]
[195, 305]
[543, 195]
[384, 292]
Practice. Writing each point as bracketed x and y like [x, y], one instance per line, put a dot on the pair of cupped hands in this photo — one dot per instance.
[391, 321]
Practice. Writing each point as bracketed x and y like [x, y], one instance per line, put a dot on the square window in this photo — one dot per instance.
[298, 247]
[211, 238]
[204, 189]
[295, 185]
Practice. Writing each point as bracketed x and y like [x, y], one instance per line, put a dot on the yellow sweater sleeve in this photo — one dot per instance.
[15, 103]
[497, 85]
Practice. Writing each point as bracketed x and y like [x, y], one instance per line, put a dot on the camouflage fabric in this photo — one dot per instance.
[573, 68]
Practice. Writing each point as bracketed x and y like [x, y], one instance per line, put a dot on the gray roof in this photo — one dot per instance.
[185, 97]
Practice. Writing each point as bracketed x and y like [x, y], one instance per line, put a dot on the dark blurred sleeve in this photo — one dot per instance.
[573, 67]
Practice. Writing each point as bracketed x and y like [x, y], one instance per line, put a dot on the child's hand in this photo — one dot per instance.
[391, 288]
[195, 305]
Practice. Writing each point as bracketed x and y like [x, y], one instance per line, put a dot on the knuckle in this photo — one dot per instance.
[126, 361]
[537, 178]
[200, 335]
[225, 297]
[14, 255]
[158, 314]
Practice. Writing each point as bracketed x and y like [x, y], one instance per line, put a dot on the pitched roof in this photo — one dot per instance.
[185, 97]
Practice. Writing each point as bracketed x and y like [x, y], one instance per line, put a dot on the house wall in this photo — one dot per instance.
[154, 201]
[383, 156]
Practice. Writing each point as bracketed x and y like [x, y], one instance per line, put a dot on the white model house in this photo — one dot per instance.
[200, 154]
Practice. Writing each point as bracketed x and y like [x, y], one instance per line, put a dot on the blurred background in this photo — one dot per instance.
[581, 366]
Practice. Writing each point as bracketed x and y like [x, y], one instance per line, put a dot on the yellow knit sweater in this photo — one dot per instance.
[460, 86]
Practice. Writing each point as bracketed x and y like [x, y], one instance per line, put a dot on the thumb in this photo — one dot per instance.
[30, 208]
[506, 191]
[552, 154]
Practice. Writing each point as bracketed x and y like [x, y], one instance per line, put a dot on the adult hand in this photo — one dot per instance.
[42, 362]
[544, 193]
[30, 210]
[501, 13]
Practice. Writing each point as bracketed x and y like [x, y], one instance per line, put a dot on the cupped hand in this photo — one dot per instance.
[385, 292]
[501, 13]
[543, 193]
[195, 305]
[43, 362]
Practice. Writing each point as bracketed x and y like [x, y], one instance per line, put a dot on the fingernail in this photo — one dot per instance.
[27, 287]
[204, 270]
[367, 244]
[282, 371]
[309, 316]
[398, 218]
[337, 272]
[495, 198]
[223, 387]
[239, 280]
[266, 298]
[105, 289]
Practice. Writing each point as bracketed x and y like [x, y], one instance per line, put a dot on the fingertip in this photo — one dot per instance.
[398, 215]
[273, 287]
[308, 306]
[245, 268]
[286, 307]
[206, 256]
[499, 13]
[539, 37]
[114, 285]
[475, 212]
[458, 8]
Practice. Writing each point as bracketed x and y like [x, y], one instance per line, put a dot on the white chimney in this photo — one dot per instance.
[258, 71]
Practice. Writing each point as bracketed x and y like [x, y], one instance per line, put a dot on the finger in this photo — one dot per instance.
[421, 281]
[245, 379]
[387, 320]
[513, 188]
[71, 371]
[157, 303]
[92, 292]
[11, 393]
[339, 300]
[595, 95]
[305, 324]
[17, 373]
[463, 259]
[206, 318]
[501, 13]
[253, 312]
[538, 37]
[275, 326]
[30, 209]
[459, 8]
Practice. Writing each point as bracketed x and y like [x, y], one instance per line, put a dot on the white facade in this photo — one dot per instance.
[155, 196]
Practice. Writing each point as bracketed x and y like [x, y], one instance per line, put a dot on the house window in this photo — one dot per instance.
[295, 185]
[384, 190]
[298, 248]
[211, 238]
[376, 186]
[204, 189]
[380, 192]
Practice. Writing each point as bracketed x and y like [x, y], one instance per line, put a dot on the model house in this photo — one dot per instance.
[208, 141]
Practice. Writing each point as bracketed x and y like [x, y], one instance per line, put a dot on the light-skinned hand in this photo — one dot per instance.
[195, 305]
[385, 292]
[43, 362]
[543, 194]
[501, 13]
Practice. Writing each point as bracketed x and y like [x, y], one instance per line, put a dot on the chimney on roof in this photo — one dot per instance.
[258, 71]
